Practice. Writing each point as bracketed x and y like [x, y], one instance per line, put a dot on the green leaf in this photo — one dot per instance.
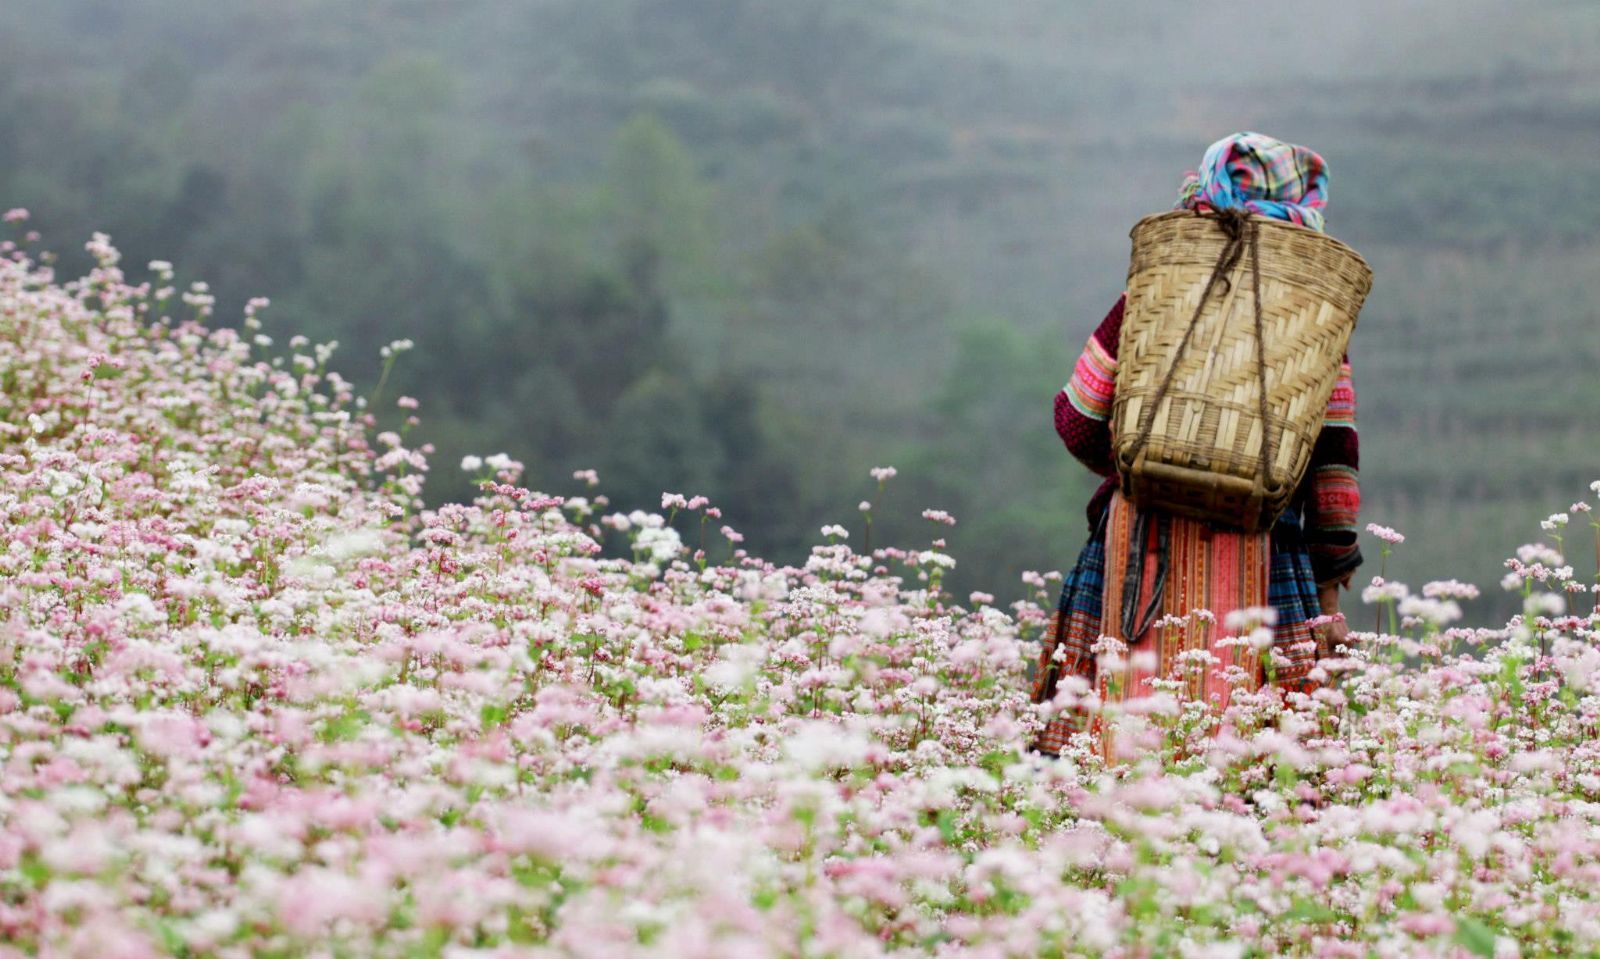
[492, 715]
[36, 871]
[1475, 937]
[345, 726]
[170, 940]
[1304, 910]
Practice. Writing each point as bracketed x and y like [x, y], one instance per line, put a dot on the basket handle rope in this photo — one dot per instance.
[1242, 232]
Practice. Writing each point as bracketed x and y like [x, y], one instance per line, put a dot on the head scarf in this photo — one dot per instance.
[1264, 176]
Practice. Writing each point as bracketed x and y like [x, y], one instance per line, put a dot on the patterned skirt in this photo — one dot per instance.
[1148, 606]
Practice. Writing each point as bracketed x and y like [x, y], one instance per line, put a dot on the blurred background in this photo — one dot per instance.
[752, 248]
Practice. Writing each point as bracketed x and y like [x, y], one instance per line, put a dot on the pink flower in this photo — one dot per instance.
[1386, 534]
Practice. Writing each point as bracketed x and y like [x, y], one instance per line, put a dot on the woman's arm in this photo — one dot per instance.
[1335, 495]
[1083, 407]
[1334, 502]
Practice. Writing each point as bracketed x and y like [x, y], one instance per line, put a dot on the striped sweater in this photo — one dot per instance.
[1329, 498]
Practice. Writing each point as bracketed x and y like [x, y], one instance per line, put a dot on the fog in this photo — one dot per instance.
[752, 248]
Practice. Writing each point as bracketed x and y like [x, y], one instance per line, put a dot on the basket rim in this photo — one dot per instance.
[1272, 223]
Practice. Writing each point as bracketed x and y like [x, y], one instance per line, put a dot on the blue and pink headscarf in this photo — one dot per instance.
[1263, 175]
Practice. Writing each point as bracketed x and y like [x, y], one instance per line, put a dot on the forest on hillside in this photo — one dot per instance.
[752, 248]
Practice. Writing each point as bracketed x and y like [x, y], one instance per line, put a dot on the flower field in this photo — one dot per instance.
[255, 700]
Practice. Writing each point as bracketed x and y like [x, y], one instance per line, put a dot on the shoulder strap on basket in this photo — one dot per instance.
[1242, 232]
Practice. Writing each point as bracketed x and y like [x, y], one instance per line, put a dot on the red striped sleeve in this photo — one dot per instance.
[1333, 503]
[1083, 406]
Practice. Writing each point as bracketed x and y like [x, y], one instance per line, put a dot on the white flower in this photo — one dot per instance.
[471, 464]
[1385, 533]
[661, 542]
[1438, 612]
[820, 746]
[1546, 604]
[358, 542]
[1240, 619]
[1381, 590]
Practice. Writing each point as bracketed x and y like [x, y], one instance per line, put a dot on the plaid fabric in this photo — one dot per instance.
[1292, 592]
[1073, 631]
[1078, 623]
[1263, 175]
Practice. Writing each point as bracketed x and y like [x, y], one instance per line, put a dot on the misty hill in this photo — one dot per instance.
[752, 247]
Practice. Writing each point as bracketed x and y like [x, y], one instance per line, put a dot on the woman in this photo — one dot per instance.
[1139, 582]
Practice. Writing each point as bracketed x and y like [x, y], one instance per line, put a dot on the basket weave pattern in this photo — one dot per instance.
[1203, 453]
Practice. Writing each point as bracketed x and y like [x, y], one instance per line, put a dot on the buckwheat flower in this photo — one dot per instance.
[587, 477]
[395, 348]
[1250, 616]
[981, 599]
[820, 746]
[1450, 589]
[1579, 507]
[1595, 486]
[407, 403]
[353, 544]
[674, 501]
[499, 462]
[1554, 522]
[161, 267]
[884, 473]
[836, 531]
[732, 535]
[14, 215]
[1385, 533]
[1545, 604]
[864, 506]
[1381, 590]
[1435, 612]
[662, 543]
[938, 516]
[1540, 554]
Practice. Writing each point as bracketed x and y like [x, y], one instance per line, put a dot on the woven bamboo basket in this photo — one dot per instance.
[1189, 435]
